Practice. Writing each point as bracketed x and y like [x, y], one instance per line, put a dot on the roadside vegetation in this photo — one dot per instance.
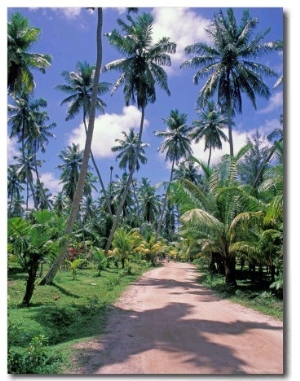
[74, 308]
[256, 294]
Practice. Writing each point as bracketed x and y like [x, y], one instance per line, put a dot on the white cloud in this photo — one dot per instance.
[107, 128]
[70, 13]
[11, 149]
[183, 26]
[51, 182]
[267, 127]
[276, 101]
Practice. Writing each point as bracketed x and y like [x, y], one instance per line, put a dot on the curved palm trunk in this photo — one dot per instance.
[262, 168]
[209, 157]
[164, 205]
[30, 283]
[99, 175]
[129, 181]
[229, 119]
[48, 279]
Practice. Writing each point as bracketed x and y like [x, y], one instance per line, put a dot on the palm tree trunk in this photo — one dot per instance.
[48, 279]
[209, 157]
[164, 205]
[129, 180]
[32, 271]
[98, 174]
[229, 119]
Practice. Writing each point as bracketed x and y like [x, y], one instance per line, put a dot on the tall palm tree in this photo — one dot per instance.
[79, 85]
[228, 66]
[25, 117]
[30, 125]
[72, 158]
[128, 157]
[187, 170]
[141, 69]
[14, 186]
[127, 148]
[20, 37]
[48, 279]
[149, 201]
[208, 127]
[176, 144]
[26, 165]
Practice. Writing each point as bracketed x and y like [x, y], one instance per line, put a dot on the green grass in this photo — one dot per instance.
[69, 311]
[256, 296]
[74, 310]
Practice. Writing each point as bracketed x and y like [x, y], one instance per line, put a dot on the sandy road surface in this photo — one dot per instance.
[166, 323]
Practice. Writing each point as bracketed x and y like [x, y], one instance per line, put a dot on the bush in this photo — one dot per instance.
[35, 359]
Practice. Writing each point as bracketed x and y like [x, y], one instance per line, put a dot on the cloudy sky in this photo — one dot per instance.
[68, 35]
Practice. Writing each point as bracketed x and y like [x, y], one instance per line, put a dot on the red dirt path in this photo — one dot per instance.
[166, 323]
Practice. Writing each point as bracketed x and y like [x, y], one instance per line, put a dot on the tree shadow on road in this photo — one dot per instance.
[201, 344]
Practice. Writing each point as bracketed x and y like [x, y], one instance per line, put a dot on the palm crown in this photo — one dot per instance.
[141, 67]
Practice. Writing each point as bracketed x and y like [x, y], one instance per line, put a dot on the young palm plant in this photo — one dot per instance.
[33, 241]
[213, 219]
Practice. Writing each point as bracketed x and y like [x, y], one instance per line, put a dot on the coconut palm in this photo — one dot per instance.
[187, 170]
[127, 147]
[228, 66]
[30, 125]
[209, 127]
[26, 166]
[141, 70]
[14, 186]
[72, 160]
[86, 155]
[20, 38]
[149, 201]
[209, 216]
[34, 240]
[79, 86]
[176, 145]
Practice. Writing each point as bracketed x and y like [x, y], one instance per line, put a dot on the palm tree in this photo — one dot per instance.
[277, 134]
[228, 66]
[127, 148]
[187, 170]
[34, 241]
[72, 158]
[149, 201]
[140, 71]
[20, 37]
[79, 86]
[213, 218]
[14, 186]
[176, 144]
[86, 155]
[25, 167]
[209, 127]
[25, 117]
[29, 124]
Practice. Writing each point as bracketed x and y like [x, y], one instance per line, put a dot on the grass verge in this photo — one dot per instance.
[41, 337]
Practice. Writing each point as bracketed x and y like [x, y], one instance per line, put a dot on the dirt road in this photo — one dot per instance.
[166, 323]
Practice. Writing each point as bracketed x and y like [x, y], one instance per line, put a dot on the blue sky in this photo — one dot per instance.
[68, 35]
